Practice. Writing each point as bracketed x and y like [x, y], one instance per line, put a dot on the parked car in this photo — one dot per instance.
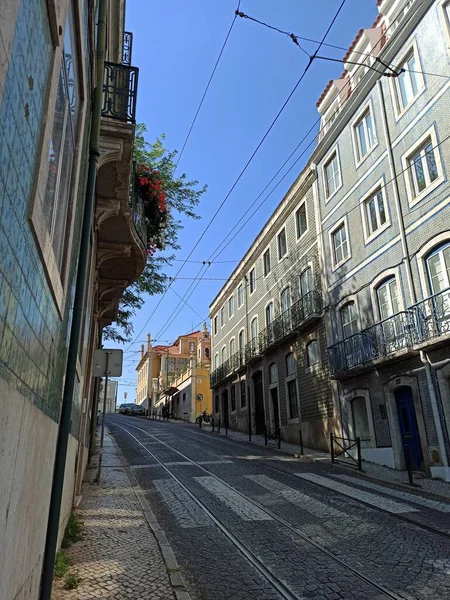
[124, 409]
[137, 410]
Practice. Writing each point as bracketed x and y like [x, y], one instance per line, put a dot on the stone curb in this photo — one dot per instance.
[173, 569]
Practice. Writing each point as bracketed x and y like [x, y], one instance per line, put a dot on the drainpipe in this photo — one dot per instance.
[398, 207]
[77, 318]
[434, 405]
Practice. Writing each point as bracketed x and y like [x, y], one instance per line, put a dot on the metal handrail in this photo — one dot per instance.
[127, 48]
[120, 92]
[356, 443]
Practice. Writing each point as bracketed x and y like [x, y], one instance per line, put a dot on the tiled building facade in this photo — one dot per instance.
[270, 365]
[47, 76]
[382, 182]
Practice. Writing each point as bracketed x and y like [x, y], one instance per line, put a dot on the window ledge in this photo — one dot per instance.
[338, 265]
[400, 114]
[376, 233]
[416, 199]
[358, 163]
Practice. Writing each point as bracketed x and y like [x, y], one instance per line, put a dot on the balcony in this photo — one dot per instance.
[120, 216]
[424, 324]
[302, 314]
[228, 368]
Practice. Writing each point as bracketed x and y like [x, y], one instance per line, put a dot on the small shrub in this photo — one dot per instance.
[73, 580]
[61, 565]
[73, 532]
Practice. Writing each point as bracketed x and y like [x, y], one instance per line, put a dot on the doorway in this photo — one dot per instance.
[225, 414]
[409, 429]
[275, 409]
[259, 402]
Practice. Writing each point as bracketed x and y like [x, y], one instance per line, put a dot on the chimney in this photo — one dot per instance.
[142, 350]
[149, 344]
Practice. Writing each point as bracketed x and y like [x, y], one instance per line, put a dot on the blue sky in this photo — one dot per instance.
[175, 46]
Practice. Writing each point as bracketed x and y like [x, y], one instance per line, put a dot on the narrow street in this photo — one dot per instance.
[250, 522]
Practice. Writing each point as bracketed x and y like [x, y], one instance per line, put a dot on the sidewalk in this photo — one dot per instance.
[372, 470]
[124, 554]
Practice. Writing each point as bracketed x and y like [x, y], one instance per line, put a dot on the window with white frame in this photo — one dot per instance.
[216, 361]
[290, 364]
[312, 353]
[224, 354]
[349, 320]
[222, 316]
[285, 300]
[438, 269]
[423, 168]
[375, 212]
[232, 347]
[332, 175]
[273, 377]
[269, 314]
[252, 276]
[364, 135]
[215, 325]
[282, 243]
[340, 244]
[387, 296]
[409, 83]
[230, 306]
[241, 341]
[301, 220]
[266, 262]
[254, 328]
[240, 295]
[306, 282]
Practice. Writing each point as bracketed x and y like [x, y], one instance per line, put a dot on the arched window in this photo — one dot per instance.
[273, 373]
[349, 320]
[241, 341]
[224, 354]
[387, 296]
[216, 361]
[269, 314]
[290, 364]
[305, 282]
[207, 353]
[254, 328]
[285, 300]
[312, 353]
[232, 347]
[438, 269]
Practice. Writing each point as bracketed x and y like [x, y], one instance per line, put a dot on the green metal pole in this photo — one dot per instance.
[77, 319]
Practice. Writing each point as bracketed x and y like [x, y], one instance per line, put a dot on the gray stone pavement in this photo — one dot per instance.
[373, 470]
[124, 555]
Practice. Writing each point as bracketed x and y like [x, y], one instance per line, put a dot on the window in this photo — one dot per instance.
[232, 347]
[273, 373]
[243, 395]
[216, 361]
[233, 398]
[230, 306]
[216, 404]
[252, 280]
[62, 145]
[224, 354]
[312, 353]
[215, 325]
[292, 396]
[184, 396]
[375, 212]
[349, 320]
[388, 298]
[266, 262]
[206, 352]
[290, 364]
[240, 295]
[360, 421]
[241, 341]
[254, 328]
[340, 244]
[332, 175]
[222, 316]
[301, 221]
[364, 134]
[269, 314]
[423, 169]
[438, 268]
[408, 84]
[305, 282]
[285, 300]
[282, 244]
[191, 346]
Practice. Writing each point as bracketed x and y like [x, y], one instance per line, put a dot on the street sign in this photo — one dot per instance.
[112, 358]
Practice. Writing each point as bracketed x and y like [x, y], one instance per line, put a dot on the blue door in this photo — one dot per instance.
[408, 425]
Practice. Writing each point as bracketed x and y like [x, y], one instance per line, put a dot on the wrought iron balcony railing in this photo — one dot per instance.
[127, 48]
[137, 209]
[291, 320]
[226, 369]
[383, 339]
[120, 92]
[433, 316]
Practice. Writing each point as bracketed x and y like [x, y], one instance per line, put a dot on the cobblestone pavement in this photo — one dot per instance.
[322, 532]
[119, 557]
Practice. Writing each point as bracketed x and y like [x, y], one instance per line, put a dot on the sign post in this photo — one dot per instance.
[107, 363]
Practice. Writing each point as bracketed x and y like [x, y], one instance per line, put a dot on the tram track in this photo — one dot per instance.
[282, 588]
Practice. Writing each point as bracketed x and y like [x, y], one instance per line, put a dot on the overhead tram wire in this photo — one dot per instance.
[311, 59]
[302, 76]
[206, 89]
